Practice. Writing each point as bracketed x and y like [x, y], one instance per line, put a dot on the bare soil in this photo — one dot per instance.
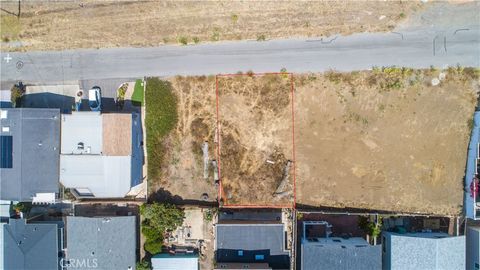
[56, 25]
[182, 168]
[255, 127]
[366, 140]
[382, 139]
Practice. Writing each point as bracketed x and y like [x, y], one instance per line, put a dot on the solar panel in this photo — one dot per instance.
[6, 150]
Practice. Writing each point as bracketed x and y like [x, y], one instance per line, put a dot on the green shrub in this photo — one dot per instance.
[16, 95]
[261, 38]
[196, 40]
[121, 91]
[153, 247]
[143, 265]
[161, 118]
[209, 214]
[183, 40]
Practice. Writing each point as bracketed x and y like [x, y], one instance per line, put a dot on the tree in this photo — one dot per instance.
[162, 217]
[143, 265]
[157, 220]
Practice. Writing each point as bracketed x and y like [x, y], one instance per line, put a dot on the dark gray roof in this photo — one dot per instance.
[334, 257]
[110, 241]
[252, 239]
[425, 251]
[36, 153]
[29, 246]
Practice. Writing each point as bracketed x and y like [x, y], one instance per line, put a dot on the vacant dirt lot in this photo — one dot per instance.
[256, 144]
[182, 172]
[383, 140]
[54, 25]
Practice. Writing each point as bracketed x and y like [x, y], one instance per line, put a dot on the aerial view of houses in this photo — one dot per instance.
[212, 135]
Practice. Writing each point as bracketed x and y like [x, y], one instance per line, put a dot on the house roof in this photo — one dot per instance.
[34, 152]
[82, 127]
[334, 256]
[252, 239]
[29, 246]
[173, 262]
[104, 176]
[109, 240]
[97, 153]
[117, 134]
[426, 251]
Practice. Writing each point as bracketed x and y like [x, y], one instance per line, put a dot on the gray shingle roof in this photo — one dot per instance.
[29, 246]
[252, 239]
[110, 241]
[334, 257]
[36, 152]
[425, 251]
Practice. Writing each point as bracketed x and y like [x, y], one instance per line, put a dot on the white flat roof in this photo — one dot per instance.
[81, 127]
[104, 176]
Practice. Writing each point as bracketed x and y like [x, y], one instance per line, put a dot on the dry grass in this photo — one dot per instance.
[49, 25]
[255, 128]
[384, 140]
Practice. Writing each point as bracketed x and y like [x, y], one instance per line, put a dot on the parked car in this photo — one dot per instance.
[95, 99]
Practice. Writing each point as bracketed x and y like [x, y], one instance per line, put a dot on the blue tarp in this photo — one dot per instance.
[471, 163]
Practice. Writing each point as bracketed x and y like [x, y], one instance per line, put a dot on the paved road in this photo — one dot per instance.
[436, 40]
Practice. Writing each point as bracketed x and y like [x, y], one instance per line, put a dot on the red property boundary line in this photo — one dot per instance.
[219, 139]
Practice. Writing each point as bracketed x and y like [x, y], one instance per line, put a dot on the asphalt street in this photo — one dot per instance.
[440, 39]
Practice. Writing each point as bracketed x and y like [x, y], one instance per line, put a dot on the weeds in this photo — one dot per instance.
[183, 40]
[196, 40]
[261, 37]
[216, 34]
[234, 18]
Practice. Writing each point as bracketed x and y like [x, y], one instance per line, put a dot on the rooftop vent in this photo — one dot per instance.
[80, 146]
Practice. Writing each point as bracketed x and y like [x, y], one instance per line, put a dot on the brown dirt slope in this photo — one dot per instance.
[255, 127]
[54, 25]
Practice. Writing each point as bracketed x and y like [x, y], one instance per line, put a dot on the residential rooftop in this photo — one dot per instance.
[30, 151]
[423, 251]
[101, 154]
[252, 243]
[111, 241]
[29, 246]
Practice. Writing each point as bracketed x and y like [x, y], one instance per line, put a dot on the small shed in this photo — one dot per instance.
[166, 261]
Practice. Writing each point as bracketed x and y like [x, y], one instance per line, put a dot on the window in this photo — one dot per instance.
[6, 149]
[259, 257]
[240, 253]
